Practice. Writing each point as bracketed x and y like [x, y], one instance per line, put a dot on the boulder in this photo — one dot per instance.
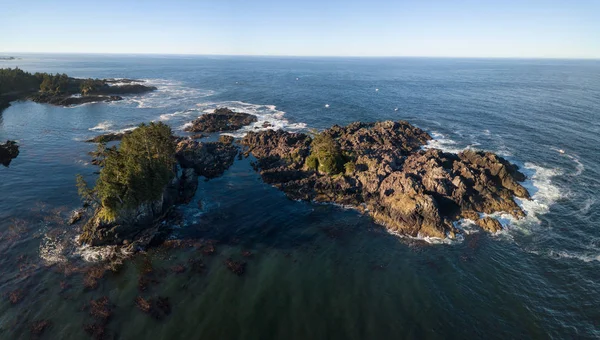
[8, 152]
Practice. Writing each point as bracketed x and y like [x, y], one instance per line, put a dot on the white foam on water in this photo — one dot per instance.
[467, 226]
[264, 113]
[544, 195]
[103, 126]
[579, 167]
[52, 250]
[587, 205]
[442, 142]
[572, 255]
[101, 253]
[168, 94]
[177, 114]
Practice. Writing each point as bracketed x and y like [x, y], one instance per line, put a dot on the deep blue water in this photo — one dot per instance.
[320, 271]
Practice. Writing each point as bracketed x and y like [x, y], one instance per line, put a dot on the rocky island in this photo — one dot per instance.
[222, 119]
[141, 181]
[381, 169]
[60, 89]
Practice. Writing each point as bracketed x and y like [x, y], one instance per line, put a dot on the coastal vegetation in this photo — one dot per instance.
[135, 173]
[326, 156]
[59, 89]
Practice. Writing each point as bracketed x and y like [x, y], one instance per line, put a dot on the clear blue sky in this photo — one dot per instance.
[454, 28]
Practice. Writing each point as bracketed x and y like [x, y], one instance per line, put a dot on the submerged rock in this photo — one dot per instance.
[8, 152]
[380, 168]
[222, 119]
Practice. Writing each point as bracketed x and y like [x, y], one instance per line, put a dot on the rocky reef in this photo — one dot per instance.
[8, 151]
[222, 119]
[382, 169]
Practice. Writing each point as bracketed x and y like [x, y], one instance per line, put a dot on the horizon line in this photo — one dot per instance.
[8, 54]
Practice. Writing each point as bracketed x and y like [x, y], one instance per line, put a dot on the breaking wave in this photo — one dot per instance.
[168, 94]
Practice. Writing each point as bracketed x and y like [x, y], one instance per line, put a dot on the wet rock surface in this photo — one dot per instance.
[8, 152]
[208, 159]
[222, 119]
[381, 169]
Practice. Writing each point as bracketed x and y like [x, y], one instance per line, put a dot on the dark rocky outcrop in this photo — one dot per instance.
[134, 228]
[111, 90]
[144, 225]
[108, 137]
[63, 90]
[8, 151]
[122, 81]
[208, 159]
[222, 119]
[68, 100]
[387, 174]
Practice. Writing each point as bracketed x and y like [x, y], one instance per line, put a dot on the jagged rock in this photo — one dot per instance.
[411, 191]
[489, 224]
[188, 185]
[108, 90]
[68, 100]
[76, 216]
[8, 151]
[142, 224]
[108, 137]
[123, 81]
[209, 159]
[222, 119]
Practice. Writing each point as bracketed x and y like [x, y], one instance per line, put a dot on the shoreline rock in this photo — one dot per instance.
[381, 169]
[108, 137]
[68, 100]
[222, 119]
[144, 225]
[8, 152]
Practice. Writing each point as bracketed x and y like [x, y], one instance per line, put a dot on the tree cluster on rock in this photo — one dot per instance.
[139, 182]
[132, 182]
[60, 89]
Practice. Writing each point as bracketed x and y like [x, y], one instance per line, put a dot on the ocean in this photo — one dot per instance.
[316, 271]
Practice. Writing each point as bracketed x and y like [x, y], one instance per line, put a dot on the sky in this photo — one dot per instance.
[443, 28]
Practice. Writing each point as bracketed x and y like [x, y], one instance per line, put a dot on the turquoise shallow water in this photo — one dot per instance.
[317, 271]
